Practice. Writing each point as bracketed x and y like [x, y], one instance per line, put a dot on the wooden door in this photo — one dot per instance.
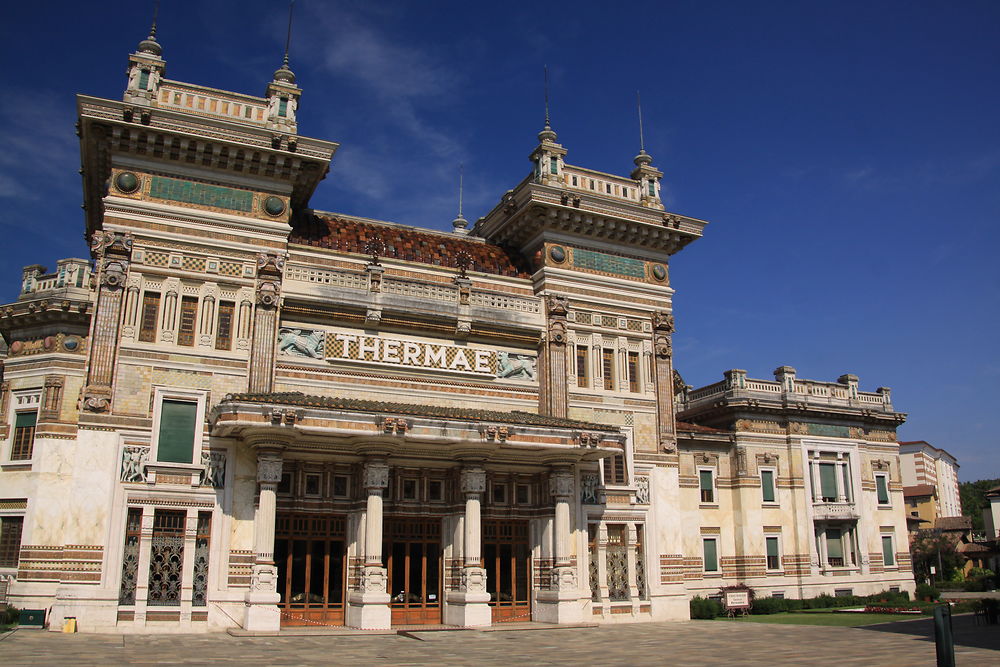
[310, 555]
[412, 553]
[507, 559]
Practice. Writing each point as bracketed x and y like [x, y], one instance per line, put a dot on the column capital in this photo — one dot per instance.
[473, 480]
[561, 482]
[376, 475]
[269, 468]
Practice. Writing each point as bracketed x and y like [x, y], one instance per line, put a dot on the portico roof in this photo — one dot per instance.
[357, 427]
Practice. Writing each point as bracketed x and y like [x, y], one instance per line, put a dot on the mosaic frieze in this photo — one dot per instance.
[201, 194]
[611, 264]
[58, 343]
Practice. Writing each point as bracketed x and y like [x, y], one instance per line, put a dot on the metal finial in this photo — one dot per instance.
[288, 36]
[156, 14]
[546, 96]
[638, 104]
[461, 183]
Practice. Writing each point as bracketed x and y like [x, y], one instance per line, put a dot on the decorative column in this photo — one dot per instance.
[817, 492]
[663, 329]
[368, 605]
[563, 602]
[469, 606]
[262, 613]
[112, 252]
[265, 321]
[553, 392]
[841, 491]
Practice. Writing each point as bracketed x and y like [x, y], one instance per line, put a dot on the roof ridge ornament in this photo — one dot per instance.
[284, 73]
[643, 158]
[547, 134]
[460, 224]
[149, 45]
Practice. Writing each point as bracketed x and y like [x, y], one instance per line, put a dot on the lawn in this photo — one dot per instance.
[822, 618]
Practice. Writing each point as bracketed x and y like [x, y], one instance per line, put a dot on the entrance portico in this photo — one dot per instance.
[391, 523]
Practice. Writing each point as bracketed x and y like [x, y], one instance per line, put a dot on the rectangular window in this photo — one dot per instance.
[149, 317]
[24, 436]
[607, 188]
[888, 555]
[846, 468]
[554, 164]
[882, 488]
[189, 313]
[130, 556]
[706, 485]
[409, 489]
[767, 485]
[652, 188]
[10, 540]
[710, 547]
[283, 107]
[499, 494]
[773, 557]
[582, 366]
[574, 181]
[828, 482]
[834, 547]
[608, 367]
[224, 332]
[633, 372]
[312, 485]
[144, 79]
[177, 431]
[614, 469]
[340, 487]
[435, 490]
[523, 494]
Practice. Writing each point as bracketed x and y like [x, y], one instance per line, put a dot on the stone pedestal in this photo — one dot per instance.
[368, 608]
[469, 607]
[262, 613]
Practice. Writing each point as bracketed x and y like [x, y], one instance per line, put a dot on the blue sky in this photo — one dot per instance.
[846, 154]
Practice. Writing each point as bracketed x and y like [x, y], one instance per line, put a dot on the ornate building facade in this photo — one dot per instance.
[244, 413]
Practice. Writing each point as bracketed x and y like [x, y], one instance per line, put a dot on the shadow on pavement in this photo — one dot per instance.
[964, 630]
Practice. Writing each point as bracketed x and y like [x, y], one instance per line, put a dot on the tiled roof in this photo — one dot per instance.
[918, 490]
[995, 491]
[953, 523]
[325, 230]
[298, 399]
[698, 428]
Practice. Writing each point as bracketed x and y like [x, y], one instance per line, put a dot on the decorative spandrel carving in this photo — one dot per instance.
[376, 475]
[268, 263]
[309, 343]
[264, 578]
[268, 470]
[134, 463]
[215, 469]
[107, 243]
[473, 579]
[558, 333]
[589, 483]
[515, 366]
[663, 347]
[473, 480]
[113, 273]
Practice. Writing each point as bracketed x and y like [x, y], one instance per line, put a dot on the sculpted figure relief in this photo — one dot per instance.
[515, 366]
[301, 343]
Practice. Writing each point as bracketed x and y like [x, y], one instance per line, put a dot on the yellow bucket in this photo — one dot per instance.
[69, 625]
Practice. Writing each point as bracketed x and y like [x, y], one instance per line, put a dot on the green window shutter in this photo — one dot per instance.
[706, 479]
[847, 483]
[652, 189]
[554, 164]
[834, 547]
[883, 489]
[772, 546]
[283, 107]
[144, 79]
[25, 419]
[767, 485]
[177, 431]
[887, 555]
[711, 556]
[828, 480]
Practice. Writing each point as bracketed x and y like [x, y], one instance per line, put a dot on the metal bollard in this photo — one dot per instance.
[943, 639]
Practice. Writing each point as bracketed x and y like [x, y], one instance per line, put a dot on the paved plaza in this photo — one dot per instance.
[907, 644]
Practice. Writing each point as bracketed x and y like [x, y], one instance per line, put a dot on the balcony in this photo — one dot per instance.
[834, 511]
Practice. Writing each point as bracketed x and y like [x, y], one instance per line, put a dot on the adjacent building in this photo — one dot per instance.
[246, 413]
[930, 480]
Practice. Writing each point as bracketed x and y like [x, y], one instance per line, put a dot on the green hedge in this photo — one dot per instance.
[705, 609]
[778, 605]
[925, 591]
[8, 615]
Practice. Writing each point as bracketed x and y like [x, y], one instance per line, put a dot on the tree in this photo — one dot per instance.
[934, 547]
[973, 497]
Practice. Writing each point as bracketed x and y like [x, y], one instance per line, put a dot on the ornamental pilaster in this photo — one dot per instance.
[663, 329]
[270, 269]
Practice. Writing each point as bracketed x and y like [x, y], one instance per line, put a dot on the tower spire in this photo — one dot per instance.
[460, 223]
[547, 133]
[284, 73]
[643, 158]
[150, 45]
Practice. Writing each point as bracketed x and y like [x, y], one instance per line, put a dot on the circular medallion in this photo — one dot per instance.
[127, 182]
[659, 272]
[70, 343]
[273, 206]
[558, 254]
[49, 342]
